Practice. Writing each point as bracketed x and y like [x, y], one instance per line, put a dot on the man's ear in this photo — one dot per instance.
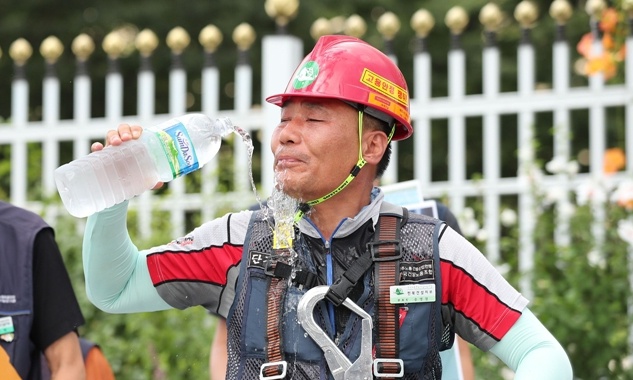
[374, 146]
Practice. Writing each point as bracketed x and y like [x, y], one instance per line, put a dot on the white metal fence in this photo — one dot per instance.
[280, 55]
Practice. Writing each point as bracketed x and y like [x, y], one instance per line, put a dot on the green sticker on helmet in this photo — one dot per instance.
[306, 75]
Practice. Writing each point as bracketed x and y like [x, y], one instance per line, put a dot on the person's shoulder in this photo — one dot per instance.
[12, 215]
[445, 214]
[442, 209]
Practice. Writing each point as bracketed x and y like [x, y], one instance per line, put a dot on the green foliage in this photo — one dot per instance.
[581, 290]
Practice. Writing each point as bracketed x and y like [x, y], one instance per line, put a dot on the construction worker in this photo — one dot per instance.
[330, 282]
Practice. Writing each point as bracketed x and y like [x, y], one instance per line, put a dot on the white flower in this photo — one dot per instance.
[469, 227]
[627, 363]
[625, 231]
[503, 268]
[566, 209]
[508, 217]
[561, 264]
[526, 154]
[623, 194]
[596, 259]
[507, 373]
[554, 195]
[611, 365]
[557, 165]
[572, 167]
[468, 213]
[590, 192]
[482, 235]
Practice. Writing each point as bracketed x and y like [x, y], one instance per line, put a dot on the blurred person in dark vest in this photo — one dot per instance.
[39, 312]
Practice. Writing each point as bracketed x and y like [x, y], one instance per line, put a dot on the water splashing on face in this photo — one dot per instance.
[282, 205]
[248, 141]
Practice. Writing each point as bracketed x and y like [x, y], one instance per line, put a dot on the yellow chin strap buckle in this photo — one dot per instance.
[305, 206]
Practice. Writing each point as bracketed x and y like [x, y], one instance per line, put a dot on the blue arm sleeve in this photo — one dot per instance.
[117, 277]
[532, 352]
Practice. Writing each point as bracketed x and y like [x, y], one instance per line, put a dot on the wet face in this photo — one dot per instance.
[315, 145]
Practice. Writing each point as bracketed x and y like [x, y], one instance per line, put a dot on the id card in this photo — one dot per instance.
[415, 293]
[6, 325]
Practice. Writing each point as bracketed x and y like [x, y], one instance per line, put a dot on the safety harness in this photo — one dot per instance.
[385, 254]
[279, 271]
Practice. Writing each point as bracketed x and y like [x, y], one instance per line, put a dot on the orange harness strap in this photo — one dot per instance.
[279, 272]
[386, 254]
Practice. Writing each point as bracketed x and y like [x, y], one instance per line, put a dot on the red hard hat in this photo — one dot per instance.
[349, 69]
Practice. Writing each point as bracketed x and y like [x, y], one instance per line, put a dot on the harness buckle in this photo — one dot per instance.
[278, 269]
[374, 250]
[281, 365]
[379, 367]
[337, 293]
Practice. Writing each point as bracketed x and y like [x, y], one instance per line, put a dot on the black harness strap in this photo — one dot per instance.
[385, 252]
[343, 286]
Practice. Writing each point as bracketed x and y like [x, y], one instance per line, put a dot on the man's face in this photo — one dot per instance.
[315, 146]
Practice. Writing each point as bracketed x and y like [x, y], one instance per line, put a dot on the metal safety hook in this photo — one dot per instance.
[340, 366]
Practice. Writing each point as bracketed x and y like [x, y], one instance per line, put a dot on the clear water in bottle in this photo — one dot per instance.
[116, 173]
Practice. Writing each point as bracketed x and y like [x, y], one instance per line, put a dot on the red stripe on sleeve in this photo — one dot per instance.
[208, 265]
[476, 302]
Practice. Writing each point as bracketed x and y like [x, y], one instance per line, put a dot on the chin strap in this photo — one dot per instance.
[304, 207]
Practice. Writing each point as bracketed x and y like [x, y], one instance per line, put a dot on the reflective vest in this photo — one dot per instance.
[420, 338]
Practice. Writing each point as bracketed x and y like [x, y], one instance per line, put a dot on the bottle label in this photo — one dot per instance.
[179, 149]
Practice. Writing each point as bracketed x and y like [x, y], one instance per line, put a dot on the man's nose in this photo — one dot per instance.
[290, 132]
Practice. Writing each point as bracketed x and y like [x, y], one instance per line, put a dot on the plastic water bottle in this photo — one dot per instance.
[116, 173]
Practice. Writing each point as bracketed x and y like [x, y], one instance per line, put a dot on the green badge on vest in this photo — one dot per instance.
[416, 293]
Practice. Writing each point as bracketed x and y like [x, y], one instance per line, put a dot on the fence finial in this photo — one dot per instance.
[456, 19]
[146, 42]
[594, 8]
[113, 44]
[337, 23]
[210, 38]
[282, 11]
[526, 14]
[388, 25]
[20, 51]
[491, 17]
[627, 6]
[320, 27]
[355, 26]
[244, 36]
[82, 46]
[561, 11]
[177, 40]
[51, 49]
[422, 22]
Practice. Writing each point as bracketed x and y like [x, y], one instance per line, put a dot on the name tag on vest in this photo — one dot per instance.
[416, 293]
